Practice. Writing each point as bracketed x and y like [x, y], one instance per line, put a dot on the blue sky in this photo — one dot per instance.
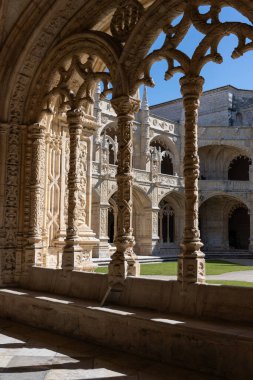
[238, 72]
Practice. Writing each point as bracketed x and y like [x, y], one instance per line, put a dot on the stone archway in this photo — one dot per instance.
[125, 52]
[142, 214]
[239, 228]
[170, 224]
[219, 232]
[216, 161]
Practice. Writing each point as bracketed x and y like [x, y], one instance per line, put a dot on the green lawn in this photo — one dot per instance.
[213, 267]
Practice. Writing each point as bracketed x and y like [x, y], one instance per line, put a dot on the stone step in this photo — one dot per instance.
[159, 259]
[141, 259]
[220, 348]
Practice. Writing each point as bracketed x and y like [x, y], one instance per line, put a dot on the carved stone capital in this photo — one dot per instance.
[125, 106]
[191, 87]
[90, 125]
[75, 116]
[37, 131]
[78, 120]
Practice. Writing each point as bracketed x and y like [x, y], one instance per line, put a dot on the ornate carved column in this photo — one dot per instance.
[124, 261]
[33, 252]
[79, 239]
[251, 208]
[103, 230]
[155, 236]
[3, 166]
[191, 264]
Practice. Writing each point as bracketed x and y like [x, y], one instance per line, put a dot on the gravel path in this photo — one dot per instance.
[246, 275]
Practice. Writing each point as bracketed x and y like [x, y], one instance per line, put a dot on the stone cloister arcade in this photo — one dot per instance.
[49, 117]
[63, 167]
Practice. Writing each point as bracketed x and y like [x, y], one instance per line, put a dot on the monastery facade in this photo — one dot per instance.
[225, 182]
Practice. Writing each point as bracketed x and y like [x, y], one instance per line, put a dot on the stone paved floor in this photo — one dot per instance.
[27, 353]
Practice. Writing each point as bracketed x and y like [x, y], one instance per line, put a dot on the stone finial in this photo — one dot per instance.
[98, 90]
[144, 101]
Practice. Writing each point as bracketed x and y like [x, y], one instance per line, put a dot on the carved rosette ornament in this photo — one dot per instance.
[124, 261]
[191, 266]
[125, 18]
[33, 255]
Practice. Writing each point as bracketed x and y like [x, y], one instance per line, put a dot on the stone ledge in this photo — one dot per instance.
[228, 303]
[223, 349]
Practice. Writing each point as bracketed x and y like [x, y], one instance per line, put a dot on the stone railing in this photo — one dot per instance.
[174, 181]
[224, 185]
[170, 180]
[141, 175]
[95, 168]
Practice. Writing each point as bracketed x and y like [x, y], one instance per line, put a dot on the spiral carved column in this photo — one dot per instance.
[33, 253]
[124, 261]
[191, 265]
[79, 237]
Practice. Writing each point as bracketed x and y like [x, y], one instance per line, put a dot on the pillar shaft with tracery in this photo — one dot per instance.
[191, 266]
[34, 249]
[124, 261]
[79, 237]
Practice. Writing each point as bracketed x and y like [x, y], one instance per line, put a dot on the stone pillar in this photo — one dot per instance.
[191, 263]
[33, 252]
[124, 261]
[3, 159]
[251, 208]
[79, 237]
[103, 230]
[155, 236]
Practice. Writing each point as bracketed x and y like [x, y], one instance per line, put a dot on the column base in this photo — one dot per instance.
[33, 256]
[77, 255]
[133, 265]
[117, 271]
[191, 268]
[121, 266]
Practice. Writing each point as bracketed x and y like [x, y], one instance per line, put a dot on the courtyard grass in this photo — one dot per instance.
[213, 267]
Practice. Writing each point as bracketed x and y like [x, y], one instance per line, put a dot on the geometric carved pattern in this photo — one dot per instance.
[53, 187]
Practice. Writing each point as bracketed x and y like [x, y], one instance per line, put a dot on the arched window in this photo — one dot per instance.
[111, 225]
[166, 163]
[166, 226]
[238, 119]
[165, 158]
[110, 144]
[111, 154]
[239, 169]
